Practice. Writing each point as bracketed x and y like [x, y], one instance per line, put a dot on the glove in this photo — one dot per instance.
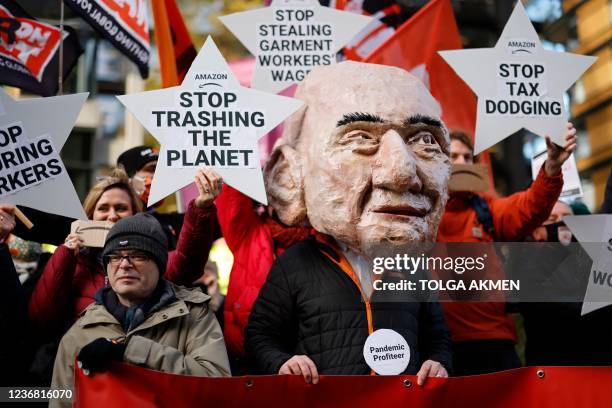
[97, 355]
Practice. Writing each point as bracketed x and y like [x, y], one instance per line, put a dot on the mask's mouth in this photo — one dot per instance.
[403, 209]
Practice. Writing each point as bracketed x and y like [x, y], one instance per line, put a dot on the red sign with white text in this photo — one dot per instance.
[33, 43]
[29, 51]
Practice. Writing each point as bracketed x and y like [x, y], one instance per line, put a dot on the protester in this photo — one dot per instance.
[29, 356]
[13, 312]
[141, 318]
[366, 165]
[557, 333]
[483, 333]
[73, 274]
[140, 163]
[255, 238]
[554, 229]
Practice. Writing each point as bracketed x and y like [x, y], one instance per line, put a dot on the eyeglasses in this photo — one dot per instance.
[134, 258]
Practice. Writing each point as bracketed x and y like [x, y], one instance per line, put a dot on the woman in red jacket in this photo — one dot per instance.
[255, 239]
[74, 273]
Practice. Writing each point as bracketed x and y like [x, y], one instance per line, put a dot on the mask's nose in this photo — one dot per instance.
[396, 165]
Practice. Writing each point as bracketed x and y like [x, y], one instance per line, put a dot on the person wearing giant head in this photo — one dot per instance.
[366, 164]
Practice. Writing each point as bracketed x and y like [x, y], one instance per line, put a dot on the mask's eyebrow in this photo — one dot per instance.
[424, 119]
[359, 117]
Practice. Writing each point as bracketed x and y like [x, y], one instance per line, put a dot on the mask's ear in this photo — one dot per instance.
[284, 185]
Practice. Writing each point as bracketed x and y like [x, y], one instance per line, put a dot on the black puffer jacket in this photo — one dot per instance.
[310, 306]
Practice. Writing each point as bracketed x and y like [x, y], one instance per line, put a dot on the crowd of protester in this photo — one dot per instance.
[44, 294]
[149, 297]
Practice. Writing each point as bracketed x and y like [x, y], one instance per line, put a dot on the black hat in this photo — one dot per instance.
[141, 232]
[135, 158]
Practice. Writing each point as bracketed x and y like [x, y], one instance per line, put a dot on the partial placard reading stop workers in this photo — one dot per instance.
[25, 162]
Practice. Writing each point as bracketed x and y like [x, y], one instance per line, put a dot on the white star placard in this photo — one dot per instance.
[209, 121]
[594, 232]
[290, 37]
[32, 134]
[519, 84]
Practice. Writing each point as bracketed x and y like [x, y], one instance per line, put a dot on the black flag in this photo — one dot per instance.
[124, 23]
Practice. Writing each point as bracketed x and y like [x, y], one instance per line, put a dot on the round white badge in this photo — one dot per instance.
[386, 352]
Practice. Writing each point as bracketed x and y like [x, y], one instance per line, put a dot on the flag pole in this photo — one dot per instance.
[60, 77]
[163, 35]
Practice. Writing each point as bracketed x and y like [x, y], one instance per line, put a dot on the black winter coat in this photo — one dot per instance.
[310, 306]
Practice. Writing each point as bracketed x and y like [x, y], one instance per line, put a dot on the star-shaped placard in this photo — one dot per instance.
[290, 37]
[209, 121]
[594, 232]
[519, 84]
[32, 134]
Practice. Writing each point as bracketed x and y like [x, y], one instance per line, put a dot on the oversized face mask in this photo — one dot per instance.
[372, 156]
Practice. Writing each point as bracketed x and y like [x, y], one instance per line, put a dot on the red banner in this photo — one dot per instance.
[553, 387]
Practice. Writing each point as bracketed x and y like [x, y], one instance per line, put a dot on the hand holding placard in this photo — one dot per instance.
[87, 233]
[209, 185]
[7, 220]
[557, 155]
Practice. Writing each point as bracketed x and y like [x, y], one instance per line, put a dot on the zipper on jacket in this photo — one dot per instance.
[344, 265]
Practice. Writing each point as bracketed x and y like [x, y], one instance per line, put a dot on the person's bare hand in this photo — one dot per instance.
[74, 243]
[557, 155]
[430, 368]
[209, 185]
[7, 220]
[301, 365]
[211, 283]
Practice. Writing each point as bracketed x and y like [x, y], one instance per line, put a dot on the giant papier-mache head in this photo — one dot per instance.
[365, 161]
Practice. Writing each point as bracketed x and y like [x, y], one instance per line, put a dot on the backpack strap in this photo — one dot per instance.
[483, 214]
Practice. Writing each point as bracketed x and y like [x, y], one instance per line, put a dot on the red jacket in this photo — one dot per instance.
[255, 241]
[68, 283]
[514, 218]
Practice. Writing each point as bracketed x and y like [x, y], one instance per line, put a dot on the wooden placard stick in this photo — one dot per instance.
[22, 217]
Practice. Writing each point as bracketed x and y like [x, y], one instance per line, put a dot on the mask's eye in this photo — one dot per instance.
[360, 141]
[358, 136]
[423, 138]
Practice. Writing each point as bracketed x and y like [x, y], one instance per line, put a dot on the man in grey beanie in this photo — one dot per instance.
[140, 318]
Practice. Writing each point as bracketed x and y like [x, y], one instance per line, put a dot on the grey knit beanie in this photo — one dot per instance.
[140, 232]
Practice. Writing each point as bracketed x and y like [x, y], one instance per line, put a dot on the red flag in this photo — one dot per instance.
[414, 47]
[174, 45]
[184, 50]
